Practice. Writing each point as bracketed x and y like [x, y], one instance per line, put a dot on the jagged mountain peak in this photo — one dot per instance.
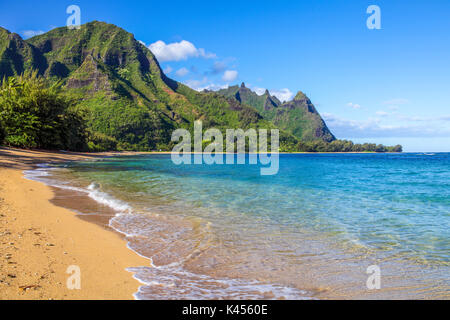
[298, 116]
[300, 96]
[119, 82]
[105, 69]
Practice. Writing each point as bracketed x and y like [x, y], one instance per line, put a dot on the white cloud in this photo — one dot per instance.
[395, 104]
[168, 70]
[353, 105]
[177, 51]
[423, 119]
[204, 84]
[196, 84]
[32, 33]
[393, 108]
[373, 128]
[443, 118]
[207, 55]
[282, 94]
[259, 91]
[213, 87]
[230, 75]
[382, 113]
[217, 67]
[182, 72]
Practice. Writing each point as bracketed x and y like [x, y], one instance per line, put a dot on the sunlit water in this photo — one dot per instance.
[311, 231]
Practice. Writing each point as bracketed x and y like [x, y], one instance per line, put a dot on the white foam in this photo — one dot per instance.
[168, 282]
[177, 282]
[104, 198]
[42, 174]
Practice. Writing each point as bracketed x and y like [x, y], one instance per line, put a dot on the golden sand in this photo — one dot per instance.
[39, 241]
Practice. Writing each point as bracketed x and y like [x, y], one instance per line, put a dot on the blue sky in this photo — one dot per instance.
[385, 86]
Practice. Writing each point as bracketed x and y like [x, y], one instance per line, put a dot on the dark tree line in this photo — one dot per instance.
[345, 146]
[35, 113]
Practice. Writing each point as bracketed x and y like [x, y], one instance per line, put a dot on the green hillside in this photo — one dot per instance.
[16, 55]
[104, 90]
[298, 117]
[120, 84]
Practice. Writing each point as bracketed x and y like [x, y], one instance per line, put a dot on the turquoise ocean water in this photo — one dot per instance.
[311, 231]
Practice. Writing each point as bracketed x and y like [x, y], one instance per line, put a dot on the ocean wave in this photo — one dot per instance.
[170, 280]
[104, 198]
[174, 282]
[43, 174]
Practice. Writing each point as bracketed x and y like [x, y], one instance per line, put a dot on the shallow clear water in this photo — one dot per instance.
[311, 231]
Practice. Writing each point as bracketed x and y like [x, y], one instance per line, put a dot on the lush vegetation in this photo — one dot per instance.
[124, 126]
[34, 114]
[344, 146]
[99, 89]
[298, 117]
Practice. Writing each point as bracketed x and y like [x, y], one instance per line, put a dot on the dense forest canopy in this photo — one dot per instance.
[98, 89]
[34, 114]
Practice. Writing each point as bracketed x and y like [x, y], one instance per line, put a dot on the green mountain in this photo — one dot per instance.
[97, 88]
[16, 55]
[298, 117]
[245, 95]
[118, 82]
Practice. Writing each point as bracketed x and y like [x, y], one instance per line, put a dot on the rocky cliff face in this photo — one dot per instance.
[301, 118]
[298, 117]
[119, 81]
[16, 55]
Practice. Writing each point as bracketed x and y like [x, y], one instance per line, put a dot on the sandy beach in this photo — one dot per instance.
[39, 241]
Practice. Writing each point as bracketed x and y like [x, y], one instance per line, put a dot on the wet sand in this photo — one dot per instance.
[39, 240]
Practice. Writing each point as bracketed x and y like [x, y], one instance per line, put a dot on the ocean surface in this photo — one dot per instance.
[309, 232]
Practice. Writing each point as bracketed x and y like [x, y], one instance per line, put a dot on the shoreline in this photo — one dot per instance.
[40, 240]
[34, 211]
[37, 217]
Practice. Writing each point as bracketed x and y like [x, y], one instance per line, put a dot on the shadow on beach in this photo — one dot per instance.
[11, 158]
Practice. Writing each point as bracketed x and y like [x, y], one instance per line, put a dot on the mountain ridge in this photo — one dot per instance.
[127, 101]
[297, 116]
[103, 67]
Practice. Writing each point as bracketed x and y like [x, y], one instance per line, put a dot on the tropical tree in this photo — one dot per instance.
[34, 114]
